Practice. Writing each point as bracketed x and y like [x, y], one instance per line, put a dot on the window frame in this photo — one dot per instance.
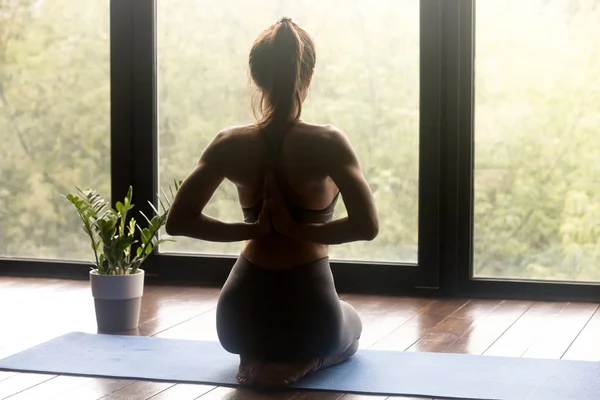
[461, 56]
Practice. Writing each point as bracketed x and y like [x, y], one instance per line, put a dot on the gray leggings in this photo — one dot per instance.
[289, 315]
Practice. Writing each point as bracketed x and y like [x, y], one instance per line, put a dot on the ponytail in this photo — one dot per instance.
[277, 65]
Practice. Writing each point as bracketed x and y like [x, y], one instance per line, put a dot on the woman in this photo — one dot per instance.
[279, 309]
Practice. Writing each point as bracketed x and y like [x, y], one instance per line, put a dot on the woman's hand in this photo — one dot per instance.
[281, 218]
[264, 225]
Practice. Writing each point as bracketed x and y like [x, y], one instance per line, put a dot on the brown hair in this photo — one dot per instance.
[282, 60]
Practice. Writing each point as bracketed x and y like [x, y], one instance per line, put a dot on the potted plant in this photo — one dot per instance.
[117, 281]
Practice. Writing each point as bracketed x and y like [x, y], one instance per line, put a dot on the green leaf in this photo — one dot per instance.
[101, 266]
[131, 228]
[123, 243]
[146, 235]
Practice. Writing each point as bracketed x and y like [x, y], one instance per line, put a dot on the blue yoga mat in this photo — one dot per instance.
[369, 371]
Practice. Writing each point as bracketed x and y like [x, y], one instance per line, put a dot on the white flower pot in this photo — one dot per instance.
[118, 300]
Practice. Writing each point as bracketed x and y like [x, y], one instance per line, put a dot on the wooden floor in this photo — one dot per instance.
[35, 310]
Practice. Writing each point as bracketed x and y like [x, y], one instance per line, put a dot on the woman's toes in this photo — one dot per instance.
[249, 373]
[241, 378]
[243, 375]
[279, 374]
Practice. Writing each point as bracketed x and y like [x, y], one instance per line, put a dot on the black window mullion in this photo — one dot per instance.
[133, 104]
[121, 92]
[144, 105]
[429, 144]
[453, 86]
[465, 139]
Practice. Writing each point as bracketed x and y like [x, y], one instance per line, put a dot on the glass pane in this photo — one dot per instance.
[54, 122]
[366, 82]
[537, 158]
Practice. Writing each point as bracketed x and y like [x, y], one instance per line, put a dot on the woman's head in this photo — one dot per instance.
[282, 60]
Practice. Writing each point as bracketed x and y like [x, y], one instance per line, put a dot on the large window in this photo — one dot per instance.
[366, 82]
[54, 122]
[537, 144]
[476, 123]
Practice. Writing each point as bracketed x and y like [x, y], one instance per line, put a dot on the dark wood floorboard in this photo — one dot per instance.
[420, 324]
[453, 327]
[487, 329]
[509, 328]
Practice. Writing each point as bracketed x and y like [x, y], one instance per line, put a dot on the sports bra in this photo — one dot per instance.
[299, 214]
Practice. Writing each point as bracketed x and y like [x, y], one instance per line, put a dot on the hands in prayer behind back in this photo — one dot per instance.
[276, 208]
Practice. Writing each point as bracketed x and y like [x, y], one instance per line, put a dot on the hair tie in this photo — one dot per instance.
[285, 19]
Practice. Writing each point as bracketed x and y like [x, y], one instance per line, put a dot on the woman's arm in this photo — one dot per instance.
[342, 165]
[186, 216]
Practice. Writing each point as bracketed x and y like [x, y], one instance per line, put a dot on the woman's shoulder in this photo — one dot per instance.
[237, 131]
[234, 136]
[317, 134]
[322, 143]
[230, 142]
[322, 132]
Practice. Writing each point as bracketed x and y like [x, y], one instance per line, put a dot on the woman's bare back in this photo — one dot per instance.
[315, 163]
[308, 186]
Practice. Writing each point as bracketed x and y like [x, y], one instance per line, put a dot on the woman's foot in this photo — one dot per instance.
[282, 374]
[252, 372]
[248, 371]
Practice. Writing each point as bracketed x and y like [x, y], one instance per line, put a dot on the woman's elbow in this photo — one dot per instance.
[173, 226]
[371, 231]
[182, 224]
